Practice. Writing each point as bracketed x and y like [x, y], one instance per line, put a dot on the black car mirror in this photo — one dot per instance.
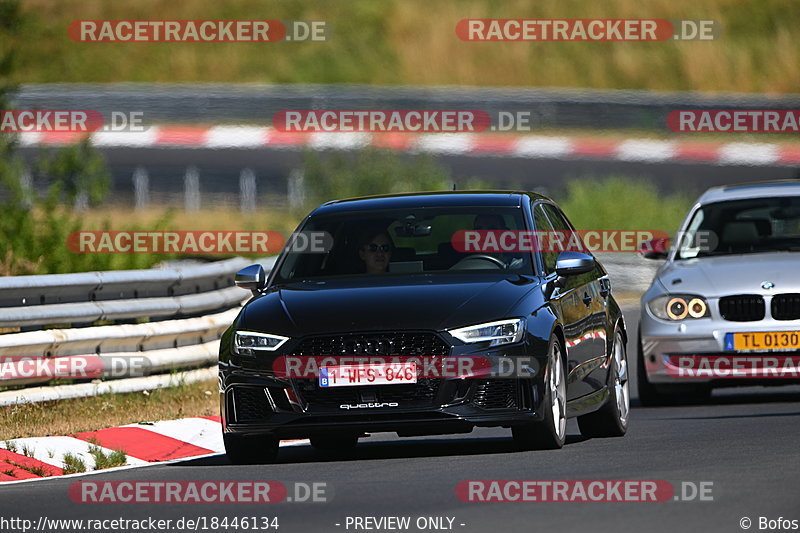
[574, 263]
[252, 278]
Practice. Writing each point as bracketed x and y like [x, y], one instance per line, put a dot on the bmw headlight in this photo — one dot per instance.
[679, 307]
[250, 342]
[496, 333]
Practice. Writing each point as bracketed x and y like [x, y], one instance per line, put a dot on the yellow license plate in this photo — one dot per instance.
[767, 340]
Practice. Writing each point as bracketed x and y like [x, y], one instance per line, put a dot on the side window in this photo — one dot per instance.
[570, 238]
[556, 218]
[561, 224]
[543, 225]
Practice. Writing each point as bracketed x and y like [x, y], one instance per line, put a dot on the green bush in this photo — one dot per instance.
[622, 203]
[35, 224]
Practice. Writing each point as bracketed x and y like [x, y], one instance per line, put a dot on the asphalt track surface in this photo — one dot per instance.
[745, 441]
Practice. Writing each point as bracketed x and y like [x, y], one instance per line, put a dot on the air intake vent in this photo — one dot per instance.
[742, 308]
[420, 344]
[786, 307]
[496, 394]
[250, 404]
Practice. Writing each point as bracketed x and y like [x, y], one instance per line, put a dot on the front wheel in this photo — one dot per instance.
[550, 433]
[611, 420]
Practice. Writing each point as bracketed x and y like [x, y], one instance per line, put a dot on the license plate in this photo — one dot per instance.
[378, 374]
[763, 341]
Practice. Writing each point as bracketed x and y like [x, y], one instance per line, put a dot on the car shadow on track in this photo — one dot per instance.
[407, 448]
[732, 397]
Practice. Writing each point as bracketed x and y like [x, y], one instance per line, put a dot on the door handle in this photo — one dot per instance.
[605, 287]
[587, 300]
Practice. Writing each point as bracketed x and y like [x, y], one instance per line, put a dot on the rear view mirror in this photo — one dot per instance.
[574, 263]
[654, 248]
[413, 230]
[252, 278]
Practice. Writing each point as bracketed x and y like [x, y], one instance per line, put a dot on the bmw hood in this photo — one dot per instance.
[733, 274]
[429, 302]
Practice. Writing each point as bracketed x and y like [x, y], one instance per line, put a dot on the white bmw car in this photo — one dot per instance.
[725, 307]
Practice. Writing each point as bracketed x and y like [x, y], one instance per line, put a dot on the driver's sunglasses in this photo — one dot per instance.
[372, 247]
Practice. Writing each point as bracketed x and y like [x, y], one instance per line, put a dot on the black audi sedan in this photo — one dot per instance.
[422, 314]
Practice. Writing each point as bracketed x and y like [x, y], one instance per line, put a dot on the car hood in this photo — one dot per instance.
[732, 274]
[421, 302]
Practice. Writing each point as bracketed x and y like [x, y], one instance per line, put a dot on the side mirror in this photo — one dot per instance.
[252, 278]
[568, 264]
[574, 263]
[654, 248]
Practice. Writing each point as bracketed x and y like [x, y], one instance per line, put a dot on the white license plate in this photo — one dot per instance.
[378, 374]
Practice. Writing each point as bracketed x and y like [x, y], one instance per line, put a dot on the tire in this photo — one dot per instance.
[250, 450]
[334, 442]
[651, 395]
[550, 433]
[611, 420]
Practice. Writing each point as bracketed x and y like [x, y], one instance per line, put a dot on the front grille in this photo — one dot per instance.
[250, 403]
[420, 394]
[742, 308]
[496, 394]
[786, 307]
[421, 344]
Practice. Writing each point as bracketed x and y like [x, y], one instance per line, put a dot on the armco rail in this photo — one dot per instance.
[122, 351]
[256, 104]
[91, 296]
[185, 342]
[180, 344]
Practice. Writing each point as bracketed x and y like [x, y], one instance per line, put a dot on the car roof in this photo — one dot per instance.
[430, 199]
[744, 191]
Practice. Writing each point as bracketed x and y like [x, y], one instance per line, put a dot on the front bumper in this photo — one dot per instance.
[256, 403]
[696, 351]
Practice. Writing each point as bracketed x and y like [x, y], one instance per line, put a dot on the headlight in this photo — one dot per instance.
[496, 333]
[250, 342]
[679, 307]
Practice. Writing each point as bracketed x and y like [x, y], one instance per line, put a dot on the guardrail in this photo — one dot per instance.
[186, 344]
[116, 295]
[195, 304]
[256, 104]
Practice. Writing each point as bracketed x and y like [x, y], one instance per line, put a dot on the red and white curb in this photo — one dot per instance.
[169, 440]
[484, 144]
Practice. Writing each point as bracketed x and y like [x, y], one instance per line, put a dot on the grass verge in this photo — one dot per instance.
[73, 464]
[103, 460]
[414, 42]
[108, 410]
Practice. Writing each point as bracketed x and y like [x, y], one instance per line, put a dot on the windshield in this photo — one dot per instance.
[743, 226]
[403, 242]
